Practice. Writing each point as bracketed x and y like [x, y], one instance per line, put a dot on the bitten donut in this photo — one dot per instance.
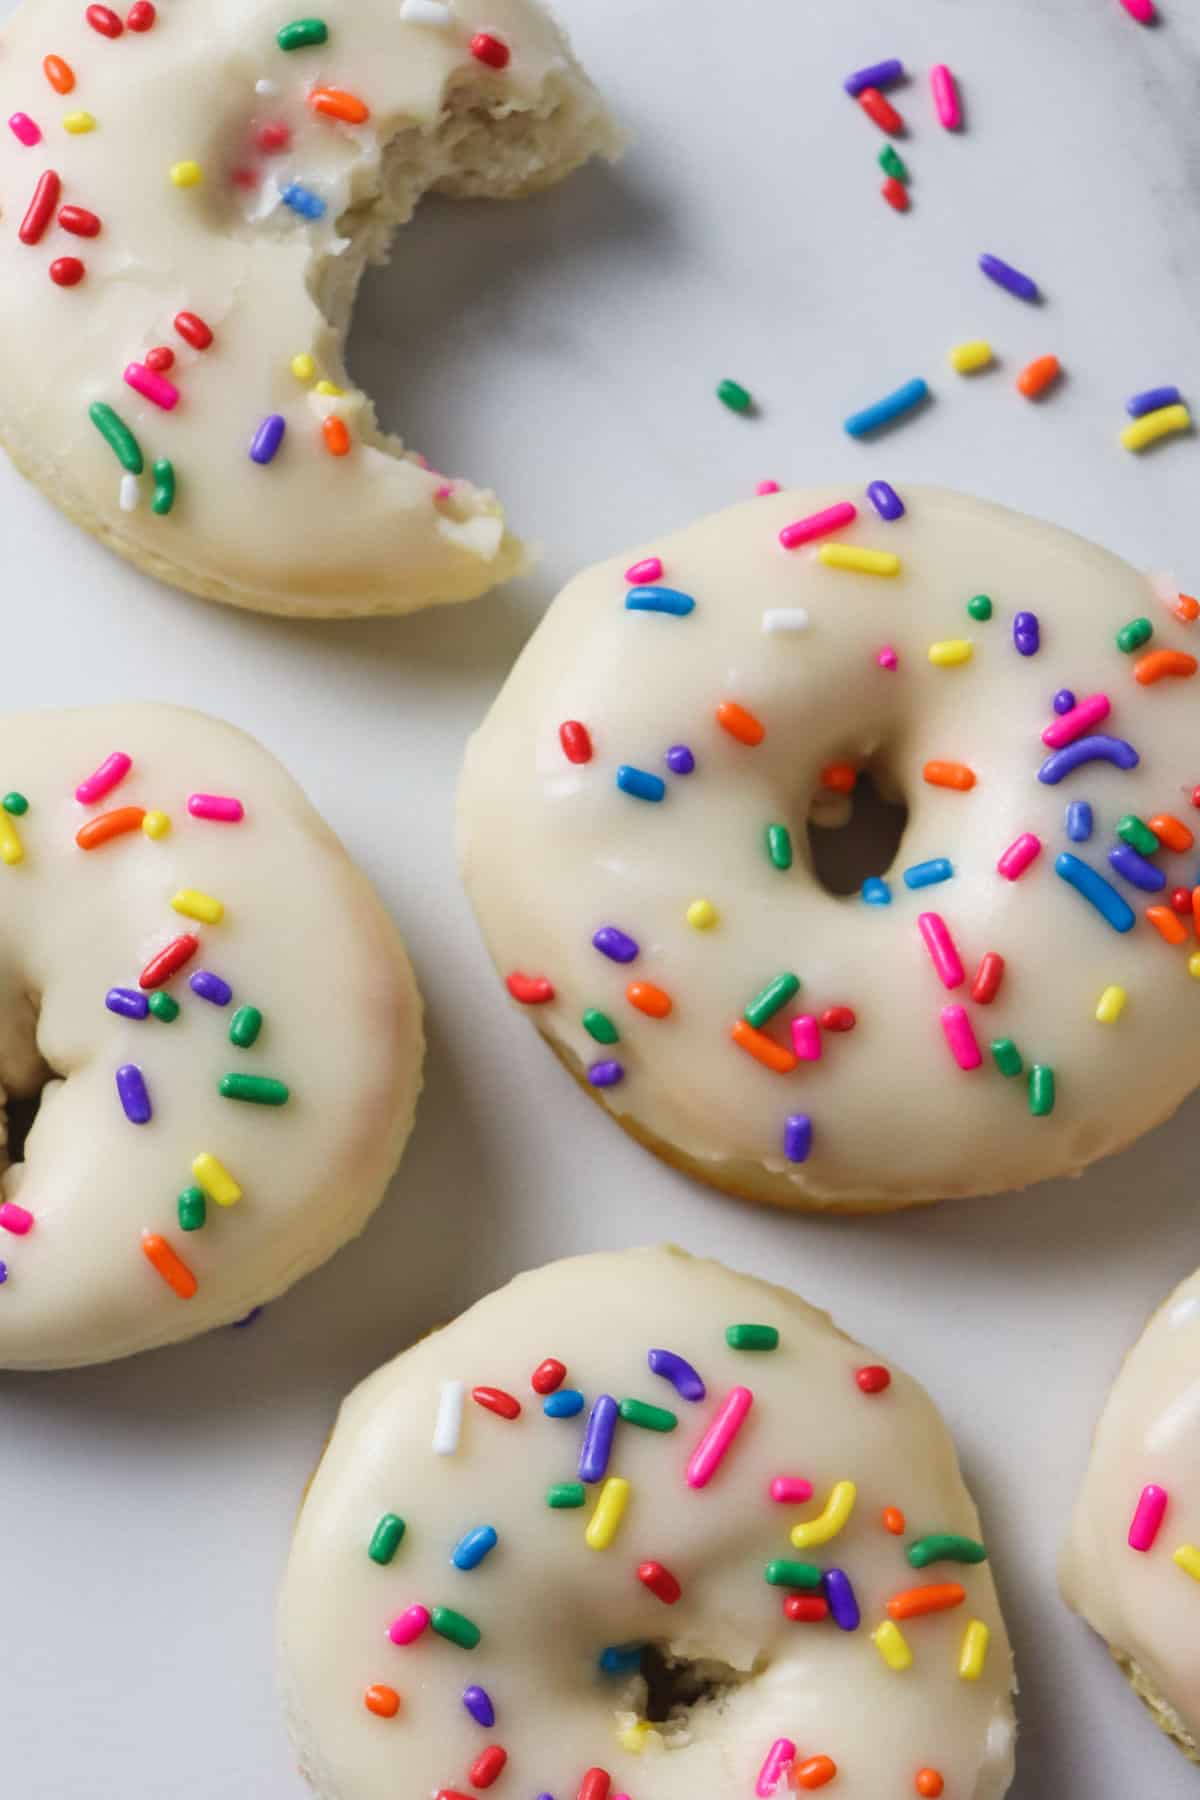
[1132, 1563]
[638, 1528]
[218, 1015]
[187, 200]
[1015, 997]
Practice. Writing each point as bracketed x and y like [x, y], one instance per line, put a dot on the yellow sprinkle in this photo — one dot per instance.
[1187, 1557]
[198, 906]
[602, 1526]
[187, 174]
[865, 562]
[973, 1654]
[79, 122]
[633, 1738]
[1194, 965]
[1155, 425]
[215, 1179]
[156, 824]
[327, 387]
[892, 1645]
[702, 915]
[1111, 1005]
[303, 366]
[830, 1520]
[951, 651]
[11, 849]
[968, 357]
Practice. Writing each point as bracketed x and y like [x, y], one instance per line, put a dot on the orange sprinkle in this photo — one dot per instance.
[649, 999]
[840, 777]
[929, 1784]
[950, 775]
[1171, 831]
[109, 825]
[59, 74]
[893, 1521]
[914, 1603]
[1196, 909]
[336, 104]
[762, 1048]
[1152, 668]
[337, 438]
[1167, 923]
[739, 723]
[1038, 375]
[172, 1268]
[817, 1772]
[1186, 609]
[381, 1700]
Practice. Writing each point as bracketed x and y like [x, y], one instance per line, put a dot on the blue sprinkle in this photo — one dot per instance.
[640, 784]
[1079, 821]
[1005, 276]
[612, 942]
[618, 1659]
[660, 600]
[210, 987]
[564, 1404]
[876, 892]
[478, 1703]
[886, 411]
[606, 1074]
[302, 200]
[928, 874]
[1099, 893]
[885, 500]
[1150, 400]
[680, 760]
[797, 1138]
[1135, 868]
[240, 1324]
[1064, 700]
[129, 1002]
[267, 439]
[471, 1549]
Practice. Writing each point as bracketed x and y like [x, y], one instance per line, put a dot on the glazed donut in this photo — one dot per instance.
[998, 1007]
[638, 1528]
[218, 1015]
[1132, 1561]
[188, 200]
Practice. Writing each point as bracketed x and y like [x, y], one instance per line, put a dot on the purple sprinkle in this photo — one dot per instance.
[1079, 821]
[1005, 276]
[211, 987]
[1064, 700]
[606, 1074]
[3, 1273]
[679, 1372]
[478, 1703]
[1135, 868]
[131, 1086]
[1027, 634]
[843, 1606]
[797, 1138]
[1151, 400]
[129, 1002]
[885, 500]
[614, 943]
[596, 1448]
[241, 1324]
[267, 438]
[876, 75]
[1085, 750]
[680, 760]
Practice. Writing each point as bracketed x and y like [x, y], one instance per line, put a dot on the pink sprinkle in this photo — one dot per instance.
[767, 487]
[24, 130]
[945, 96]
[791, 1490]
[14, 1218]
[650, 569]
[409, 1626]
[152, 386]
[1019, 855]
[887, 658]
[775, 1763]
[1141, 10]
[942, 952]
[806, 1038]
[1070, 725]
[710, 1452]
[961, 1037]
[820, 524]
[444, 492]
[112, 770]
[221, 807]
[1148, 1517]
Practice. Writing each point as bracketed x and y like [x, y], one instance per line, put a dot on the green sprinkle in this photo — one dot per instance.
[1131, 637]
[245, 1026]
[16, 804]
[1041, 1090]
[779, 846]
[600, 1026]
[752, 1337]
[785, 1573]
[980, 607]
[164, 488]
[193, 1209]
[260, 1090]
[566, 1494]
[650, 1418]
[733, 395]
[1137, 833]
[945, 1546]
[893, 165]
[777, 993]
[302, 34]
[117, 436]
[163, 1007]
[1007, 1056]
[456, 1626]
[385, 1539]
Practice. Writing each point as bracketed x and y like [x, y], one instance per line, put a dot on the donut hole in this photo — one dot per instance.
[19, 1114]
[854, 836]
[25, 1076]
[671, 1690]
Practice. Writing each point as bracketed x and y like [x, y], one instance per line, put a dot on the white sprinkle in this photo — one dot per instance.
[785, 618]
[448, 1429]
[131, 493]
[268, 89]
[425, 12]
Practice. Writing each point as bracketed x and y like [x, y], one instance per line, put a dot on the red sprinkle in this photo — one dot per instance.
[551, 1374]
[988, 977]
[878, 107]
[67, 271]
[160, 359]
[806, 1609]
[839, 1018]
[169, 961]
[193, 330]
[1181, 900]
[273, 137]
[487, 1766]
[496, 54]
[79, 221]
[1196, 796]
[595, 1785]
[530, 990]
[104, 20]
[497, 1401]
[896, 194]
[41, 211]
[576, 741]
[660, 1581]
[873, 1379]
[141, 16]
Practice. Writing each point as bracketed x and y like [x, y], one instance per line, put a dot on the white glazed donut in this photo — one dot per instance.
[209, 184]
[473, 1585]
[632, 829]
[1132, 1562]
[221, 1019]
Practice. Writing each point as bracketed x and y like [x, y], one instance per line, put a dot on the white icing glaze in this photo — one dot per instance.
[547, 1604]
[1140, 1601]
[552, 850]
[303, 938]
[312, 532]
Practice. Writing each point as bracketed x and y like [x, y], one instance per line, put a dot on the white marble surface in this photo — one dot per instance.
[567, 349]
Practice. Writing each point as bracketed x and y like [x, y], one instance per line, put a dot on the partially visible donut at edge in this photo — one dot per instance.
[1016, 996]
[187, 203]
[220, 1019]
